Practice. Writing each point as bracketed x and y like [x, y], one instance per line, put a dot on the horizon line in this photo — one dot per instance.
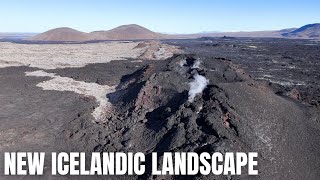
[169, 33]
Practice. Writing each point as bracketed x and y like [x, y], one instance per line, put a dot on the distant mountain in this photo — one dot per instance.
[62, 34]
[287, 30]
[260, 34]
[136, 32]
[310, 31]
[127, 32]
[16, 36]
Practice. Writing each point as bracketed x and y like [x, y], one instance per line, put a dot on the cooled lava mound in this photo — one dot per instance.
[156, 108]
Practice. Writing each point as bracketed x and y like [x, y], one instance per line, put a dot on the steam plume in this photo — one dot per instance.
[182, 63]
[196, 65]
[197, 86]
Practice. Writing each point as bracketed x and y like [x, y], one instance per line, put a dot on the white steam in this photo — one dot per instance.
[196, 64]
[197, 86]
[182, 63]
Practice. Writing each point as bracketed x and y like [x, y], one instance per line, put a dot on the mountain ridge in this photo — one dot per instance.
[137, 32]
[308, 31]
[127, 32]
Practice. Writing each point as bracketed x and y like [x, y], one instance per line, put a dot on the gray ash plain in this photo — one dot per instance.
[262, 95]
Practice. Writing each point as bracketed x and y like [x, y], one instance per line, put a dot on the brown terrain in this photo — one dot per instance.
[62, 34]
[127, 32]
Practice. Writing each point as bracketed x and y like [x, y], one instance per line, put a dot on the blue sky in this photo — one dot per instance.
[171, 16]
